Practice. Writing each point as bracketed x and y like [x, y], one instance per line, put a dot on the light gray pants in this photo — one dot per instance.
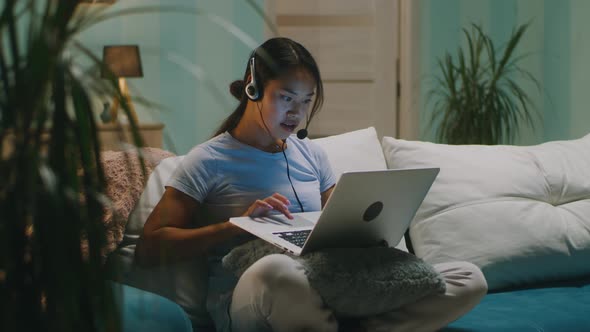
[274, 295]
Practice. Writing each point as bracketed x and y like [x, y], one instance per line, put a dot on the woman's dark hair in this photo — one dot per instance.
[273, 58]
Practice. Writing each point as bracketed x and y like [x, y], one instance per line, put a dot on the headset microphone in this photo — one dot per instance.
[302, 133]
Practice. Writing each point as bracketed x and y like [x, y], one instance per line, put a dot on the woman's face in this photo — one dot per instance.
[286, 101]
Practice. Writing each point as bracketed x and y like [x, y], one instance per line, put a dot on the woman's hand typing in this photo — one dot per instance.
[262, 207]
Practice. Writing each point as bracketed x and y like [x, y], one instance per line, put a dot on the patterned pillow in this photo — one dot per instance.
[125, 182]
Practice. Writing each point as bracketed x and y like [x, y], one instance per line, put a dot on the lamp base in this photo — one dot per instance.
[114, 111]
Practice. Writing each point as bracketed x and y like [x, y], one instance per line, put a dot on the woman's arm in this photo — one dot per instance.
[168, 234]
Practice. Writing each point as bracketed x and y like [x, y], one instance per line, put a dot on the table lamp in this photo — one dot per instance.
[123, 61]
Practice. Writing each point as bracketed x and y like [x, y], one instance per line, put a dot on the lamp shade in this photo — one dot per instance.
[122, 60]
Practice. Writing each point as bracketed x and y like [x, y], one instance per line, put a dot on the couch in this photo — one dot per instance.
[522, 214]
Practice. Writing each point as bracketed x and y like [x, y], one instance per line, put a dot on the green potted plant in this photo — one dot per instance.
[52, 184]
[477, 99]
[51, 180]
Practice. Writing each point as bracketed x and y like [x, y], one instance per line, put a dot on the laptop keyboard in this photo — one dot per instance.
[296, 237]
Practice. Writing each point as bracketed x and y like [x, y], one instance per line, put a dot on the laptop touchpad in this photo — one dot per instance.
[282, 220]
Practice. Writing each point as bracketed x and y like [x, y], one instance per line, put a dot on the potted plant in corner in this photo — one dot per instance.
[52, 184]
[51, 180]
[476, 97]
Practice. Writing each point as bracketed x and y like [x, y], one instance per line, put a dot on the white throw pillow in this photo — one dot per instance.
[151, 195]
[522, 214]
[358, 150]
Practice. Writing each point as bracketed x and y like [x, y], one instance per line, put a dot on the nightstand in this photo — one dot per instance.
[110, 139]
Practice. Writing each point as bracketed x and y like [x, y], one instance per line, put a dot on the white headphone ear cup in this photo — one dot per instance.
[251, 91]
[251, 88]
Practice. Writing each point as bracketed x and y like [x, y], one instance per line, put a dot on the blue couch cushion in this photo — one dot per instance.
[559, 309]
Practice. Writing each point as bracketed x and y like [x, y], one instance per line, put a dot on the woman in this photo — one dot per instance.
[254, 166]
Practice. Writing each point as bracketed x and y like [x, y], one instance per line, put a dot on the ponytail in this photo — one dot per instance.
[237, 90]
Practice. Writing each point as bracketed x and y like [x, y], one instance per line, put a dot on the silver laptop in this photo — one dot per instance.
[365, 209]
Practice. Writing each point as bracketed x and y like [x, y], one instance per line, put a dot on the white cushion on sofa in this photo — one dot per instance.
[151, 195]
[522, 214]
[358, 150]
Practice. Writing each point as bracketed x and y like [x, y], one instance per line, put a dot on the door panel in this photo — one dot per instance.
[331, 48]
[349, 107]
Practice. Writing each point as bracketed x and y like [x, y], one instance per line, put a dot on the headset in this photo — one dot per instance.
[255, 94]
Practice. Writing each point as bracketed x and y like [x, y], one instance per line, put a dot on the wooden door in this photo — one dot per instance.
[356, 46]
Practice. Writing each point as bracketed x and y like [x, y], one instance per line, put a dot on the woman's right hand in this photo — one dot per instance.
[262, 207]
